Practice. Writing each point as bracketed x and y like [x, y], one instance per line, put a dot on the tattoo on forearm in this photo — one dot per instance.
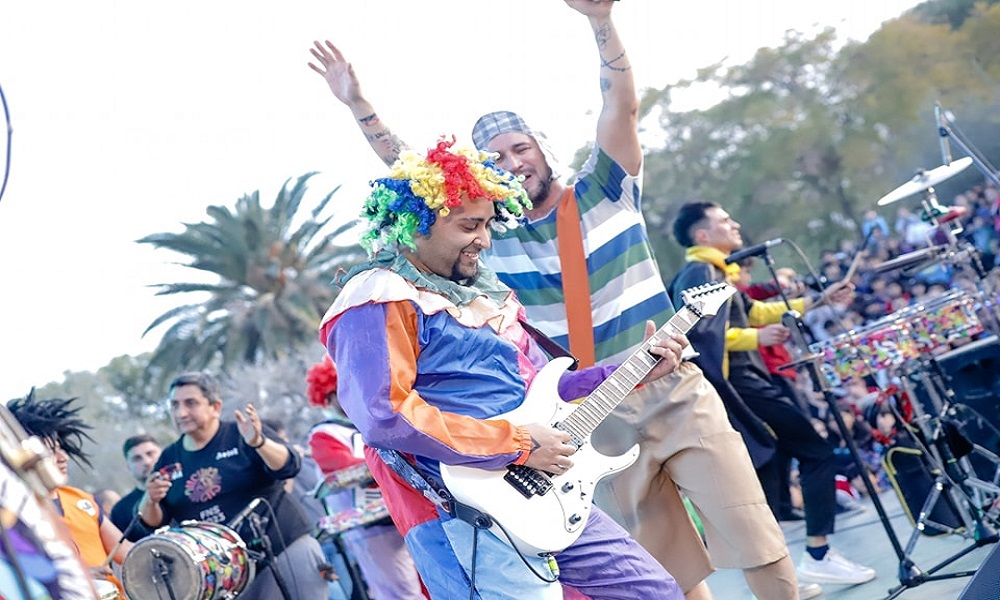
[602, 34]
[605, 84]
[610, 64]
[369, 121]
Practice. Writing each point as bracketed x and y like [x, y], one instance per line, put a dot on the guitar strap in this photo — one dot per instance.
[549, 345]
[433, 491]
[575, 281]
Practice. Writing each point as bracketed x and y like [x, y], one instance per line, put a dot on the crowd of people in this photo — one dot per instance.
[484, 265]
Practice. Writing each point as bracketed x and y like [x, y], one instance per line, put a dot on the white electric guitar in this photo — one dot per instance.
[537, 512]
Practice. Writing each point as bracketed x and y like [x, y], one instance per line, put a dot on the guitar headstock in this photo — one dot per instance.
[706, 300]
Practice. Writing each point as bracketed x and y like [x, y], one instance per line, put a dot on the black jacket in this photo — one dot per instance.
[708, 337]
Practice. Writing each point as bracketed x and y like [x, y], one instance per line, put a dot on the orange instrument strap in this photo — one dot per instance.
[575, 282]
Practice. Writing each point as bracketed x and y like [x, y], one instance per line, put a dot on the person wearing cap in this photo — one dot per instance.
[679, 421]
[431, 353]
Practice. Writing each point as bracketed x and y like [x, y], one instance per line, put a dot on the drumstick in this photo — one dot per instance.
[854, 265]
[847, 276]
[118, 544]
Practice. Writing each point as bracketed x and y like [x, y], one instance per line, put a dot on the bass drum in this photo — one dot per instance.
[196, 561]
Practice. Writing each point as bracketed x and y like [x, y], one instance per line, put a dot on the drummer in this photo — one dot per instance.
[215, 470]
[57, 422]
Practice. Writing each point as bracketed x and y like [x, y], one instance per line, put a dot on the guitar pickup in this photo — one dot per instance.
[529, 482]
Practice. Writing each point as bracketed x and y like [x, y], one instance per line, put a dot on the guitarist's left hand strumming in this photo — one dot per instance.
[550, 447]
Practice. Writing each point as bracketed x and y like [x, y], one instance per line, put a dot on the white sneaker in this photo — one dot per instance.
[834, 568]
[806, 591]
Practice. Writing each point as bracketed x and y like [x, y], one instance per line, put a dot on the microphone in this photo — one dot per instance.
[243, 514]
[941, 119]
[752, 251]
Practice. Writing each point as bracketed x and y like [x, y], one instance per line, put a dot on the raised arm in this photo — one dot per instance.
[618, 125]
[339, 75]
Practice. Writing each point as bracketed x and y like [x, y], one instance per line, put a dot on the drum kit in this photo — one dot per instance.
[906, 348]
[931, 326]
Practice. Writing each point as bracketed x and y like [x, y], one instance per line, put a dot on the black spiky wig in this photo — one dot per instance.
[55, 420]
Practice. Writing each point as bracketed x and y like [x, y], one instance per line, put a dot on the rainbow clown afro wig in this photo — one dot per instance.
[419, 188]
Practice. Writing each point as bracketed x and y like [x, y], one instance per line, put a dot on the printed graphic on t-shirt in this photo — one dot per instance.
[203, 485]
[87, 506]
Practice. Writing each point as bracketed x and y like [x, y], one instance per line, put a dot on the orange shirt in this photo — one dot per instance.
[83, 518]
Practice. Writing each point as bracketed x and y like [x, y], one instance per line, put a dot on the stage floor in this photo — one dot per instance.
[861, 537]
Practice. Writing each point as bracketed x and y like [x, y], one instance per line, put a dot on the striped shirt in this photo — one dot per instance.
[625, 285]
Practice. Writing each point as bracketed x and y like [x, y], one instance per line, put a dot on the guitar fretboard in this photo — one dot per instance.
[610, 393]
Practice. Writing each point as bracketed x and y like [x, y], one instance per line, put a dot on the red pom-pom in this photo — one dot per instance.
[321, 382]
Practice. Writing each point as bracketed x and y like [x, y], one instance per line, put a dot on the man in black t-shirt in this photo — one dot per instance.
[216, 469]
[141, 453]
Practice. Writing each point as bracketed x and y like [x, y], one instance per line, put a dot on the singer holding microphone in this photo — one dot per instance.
[232, 472]
[728, 343]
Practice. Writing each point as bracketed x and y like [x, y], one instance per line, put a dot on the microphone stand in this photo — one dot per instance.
[163, 570]
[908, 572]
[260, 532]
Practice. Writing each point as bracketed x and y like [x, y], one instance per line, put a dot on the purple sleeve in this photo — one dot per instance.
[577, 384]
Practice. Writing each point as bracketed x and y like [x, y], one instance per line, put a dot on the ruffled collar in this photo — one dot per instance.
[461, 294]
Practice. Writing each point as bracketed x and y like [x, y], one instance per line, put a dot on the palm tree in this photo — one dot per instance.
[272, 282]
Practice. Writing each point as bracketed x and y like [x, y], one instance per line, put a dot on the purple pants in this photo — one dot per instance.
[605, 563]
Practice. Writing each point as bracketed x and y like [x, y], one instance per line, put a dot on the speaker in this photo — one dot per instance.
[971, 372]
[985, 584]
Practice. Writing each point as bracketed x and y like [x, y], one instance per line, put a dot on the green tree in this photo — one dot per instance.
[269, 282]
[809, 135]
[954, 13]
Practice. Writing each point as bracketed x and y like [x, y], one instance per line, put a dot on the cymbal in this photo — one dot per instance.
[925, 179]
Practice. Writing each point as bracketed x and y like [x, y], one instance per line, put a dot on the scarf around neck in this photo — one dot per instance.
[461, 294]
[715, 257]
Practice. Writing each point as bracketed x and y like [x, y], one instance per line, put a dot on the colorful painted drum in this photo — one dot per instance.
[196, 561]
[938, 322]
[345, 520]
[883, 344]
[351, 477]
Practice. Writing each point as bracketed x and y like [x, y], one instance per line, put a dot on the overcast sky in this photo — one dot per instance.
[131, 117]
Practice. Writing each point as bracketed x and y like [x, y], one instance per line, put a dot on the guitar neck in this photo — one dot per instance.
[599, 404]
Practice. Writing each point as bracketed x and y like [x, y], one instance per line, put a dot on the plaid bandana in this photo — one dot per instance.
[493, 124]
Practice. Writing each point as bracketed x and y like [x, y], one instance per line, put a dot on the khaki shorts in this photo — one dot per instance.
[686, 442]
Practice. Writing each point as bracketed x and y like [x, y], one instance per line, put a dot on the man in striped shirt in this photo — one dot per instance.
[679, 421]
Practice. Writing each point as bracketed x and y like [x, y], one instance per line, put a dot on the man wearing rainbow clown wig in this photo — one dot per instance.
[430, 345]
